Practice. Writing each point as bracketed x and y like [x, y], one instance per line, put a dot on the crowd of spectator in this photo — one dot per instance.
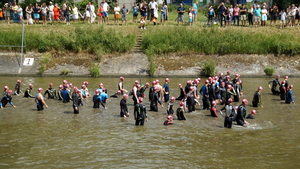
[251, 15]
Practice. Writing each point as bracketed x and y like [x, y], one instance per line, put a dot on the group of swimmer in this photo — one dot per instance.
[222, 90]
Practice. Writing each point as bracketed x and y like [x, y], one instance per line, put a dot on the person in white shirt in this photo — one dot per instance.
[117, 10]
[51, 12]
[92, 12]
[282, 19]
[152, 5]
[105, 11]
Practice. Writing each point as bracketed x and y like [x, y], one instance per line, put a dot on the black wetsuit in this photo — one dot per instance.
[241, 114]
[75, 99]
[28, 93]
[142, 91]
[256, 99]
[170, 108]
[230, 112]
[6, 99]
[124, 109]
[58, 94]
[250, 116]
[212, 93]
[168, 122]
[275, 82]
[182, 94]
[213, 111]
[17, 89]
[222, 95]
[135, 100]
[190, 101]
[282, 92]
[237, 88]
[151, 90]
[180, 114]
[154, 101]
[140, 114]
[51, 93]
[97, 101]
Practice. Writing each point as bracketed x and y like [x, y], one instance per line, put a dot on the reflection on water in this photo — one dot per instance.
[99, 138]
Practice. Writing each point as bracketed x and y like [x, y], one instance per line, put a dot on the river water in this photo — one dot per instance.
[99, 138]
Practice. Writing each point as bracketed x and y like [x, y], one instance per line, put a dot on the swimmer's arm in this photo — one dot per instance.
[43, 101]
[11, 104]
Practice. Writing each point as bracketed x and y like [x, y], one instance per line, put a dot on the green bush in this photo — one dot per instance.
[208, 68]
[269, 70]
[44, 60]
[152, 67]
[95, 70]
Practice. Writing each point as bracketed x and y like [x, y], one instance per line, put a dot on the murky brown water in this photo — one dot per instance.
[56, 138]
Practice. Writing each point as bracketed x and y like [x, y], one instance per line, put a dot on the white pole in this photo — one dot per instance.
[22, 47]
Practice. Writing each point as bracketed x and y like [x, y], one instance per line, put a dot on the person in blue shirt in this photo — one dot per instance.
[103, 97]
[195, 6]
[205, 96]
[257, 16]
[289, 96]
[166, 90]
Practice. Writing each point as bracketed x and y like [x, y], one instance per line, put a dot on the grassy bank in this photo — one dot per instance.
[234, 40]
[78, 38]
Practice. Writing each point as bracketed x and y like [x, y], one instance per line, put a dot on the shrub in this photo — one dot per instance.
[94, 70]
[44, 60]
[208, 68]
[152, 67]
[269, 70]
[65, 72]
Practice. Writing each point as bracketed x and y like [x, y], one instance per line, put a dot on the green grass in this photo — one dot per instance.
[233, 40]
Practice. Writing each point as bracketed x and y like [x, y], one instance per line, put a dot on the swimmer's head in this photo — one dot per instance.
[141, 100]
[259, 88]
[19, 81]
[230, 100]
[167, 80]
[97, 91]
[40, 89]
[253, 112]
[173, 99]
[147, 84]
[245, 101]
[181, 104]
[153, 82]
[122, 78]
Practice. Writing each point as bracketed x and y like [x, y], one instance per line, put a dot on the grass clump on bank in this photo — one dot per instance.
[233, 40]
[71, 39]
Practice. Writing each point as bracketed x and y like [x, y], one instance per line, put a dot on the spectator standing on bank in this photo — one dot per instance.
[92, 12]
[264, 16]
[117, 14]
[124, 12]
[105, 11]
[195, 6]
[243, 11]
[257, 15]
[7, 9]
[44, 10]
[152, 5]
[236, 12]
[51, 12]
[250, 16]
[180, 11]
[135, 13]
[36, 13]
[222, 9]
[164, 13]
[273, 14]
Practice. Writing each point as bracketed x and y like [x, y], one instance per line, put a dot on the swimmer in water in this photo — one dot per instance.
[180, 111]
[39, 100]
[140, 113]
[169, 120]
[123, 106]
[6, 99]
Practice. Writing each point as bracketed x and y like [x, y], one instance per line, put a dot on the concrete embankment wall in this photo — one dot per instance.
[133, 64]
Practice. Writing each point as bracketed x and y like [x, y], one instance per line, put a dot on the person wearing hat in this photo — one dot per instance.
[169, 120]
[39, 100]
[120, 85]
[180, 111]
[27, 93]
[182, 93]
[282, 90]
[256, 101]
[143, 89]
[251, 116]
[289, 96]
[135, 92]
[230, 112]
[123, 106]
[166, 90]
[274, 82]
[18, 88]
[97, 100]
[140, 113]
[213, 109]
[155, 100]
[205, 95]
[76, 100]
[51, 92]
[6, 99]
[241, 113]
